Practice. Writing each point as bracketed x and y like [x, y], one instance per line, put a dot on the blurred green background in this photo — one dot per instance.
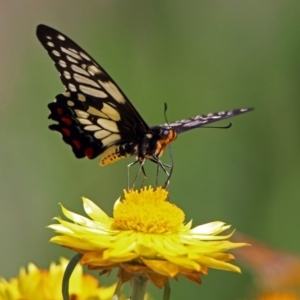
[199, 57]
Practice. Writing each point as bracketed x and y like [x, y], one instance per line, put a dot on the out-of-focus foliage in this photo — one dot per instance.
[276, 274]
[198, 56]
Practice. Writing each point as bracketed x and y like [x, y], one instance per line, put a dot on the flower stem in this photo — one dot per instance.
[139, 285]
[167, 291]
[67, 274]
[118, 288]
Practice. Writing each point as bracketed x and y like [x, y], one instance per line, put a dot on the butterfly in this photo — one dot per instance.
[96, 118]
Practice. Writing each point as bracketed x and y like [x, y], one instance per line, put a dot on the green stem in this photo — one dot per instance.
[118, 288]
[68, 272]
[167, 291]
[139, 285]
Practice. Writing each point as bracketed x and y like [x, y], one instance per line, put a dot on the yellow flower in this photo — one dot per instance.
[146, 235]
[37, 284]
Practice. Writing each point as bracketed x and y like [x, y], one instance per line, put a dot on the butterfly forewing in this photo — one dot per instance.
[202, 120]
[80, 73]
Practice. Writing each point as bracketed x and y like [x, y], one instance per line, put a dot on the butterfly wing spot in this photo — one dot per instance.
[81, 113]
[59, 111]
[101, 134]
[111, 112]
[96, 112]
[82, 79]
[72, 54]
[72, 60]
[67, 75]
[50, 44]
[72, 87]
[92, 128]
[92, 92]
[81, 97]
[66, 131]
[89, 152]
[62, 63]
[73, 50]
[108, 125]
[113, 91]
[66, 121]
[56, 53]
[77, 69]
[84, 121]
[61, 37]
[83, 55]
[70, 103]
[76, 144]
[93, 70]
[111, 139]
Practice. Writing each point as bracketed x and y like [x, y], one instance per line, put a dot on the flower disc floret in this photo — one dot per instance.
[148, 211]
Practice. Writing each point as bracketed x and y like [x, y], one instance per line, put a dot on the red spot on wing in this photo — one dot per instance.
[77, 144]
[67, 121]
[66, 131]
[89, 152]
[60, 111]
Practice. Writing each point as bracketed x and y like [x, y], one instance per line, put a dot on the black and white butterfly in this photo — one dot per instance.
[95, 117]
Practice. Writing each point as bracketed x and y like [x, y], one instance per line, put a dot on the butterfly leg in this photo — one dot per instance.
[160, 164]
[128, 173]
[169, 174]
[144, 173]
[157, 172]
[141, 168]
[167, 182]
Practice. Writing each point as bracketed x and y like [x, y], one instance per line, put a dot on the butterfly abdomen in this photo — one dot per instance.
[117, 152]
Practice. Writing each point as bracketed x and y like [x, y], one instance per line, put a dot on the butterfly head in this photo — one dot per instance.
[163, 135]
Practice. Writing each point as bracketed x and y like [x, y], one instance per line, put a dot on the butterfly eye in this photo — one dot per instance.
[164, 133]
